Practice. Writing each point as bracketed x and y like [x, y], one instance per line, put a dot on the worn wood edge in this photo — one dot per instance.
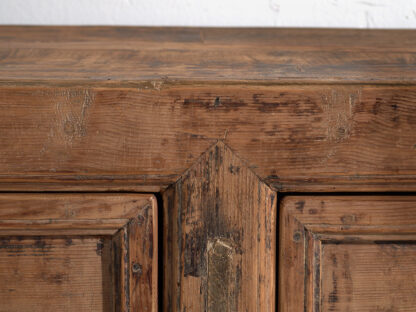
[329, 184]
[140, 235]
[283, 245]
[70, 207]
[143, 183]
[170, 249]
[121, 289]
[290, 199]
[173, 82]
[163, 83]
[41, 186]
[155, 258]
[222, 40]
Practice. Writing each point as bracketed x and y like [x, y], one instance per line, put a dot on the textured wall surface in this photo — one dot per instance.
[287, 13]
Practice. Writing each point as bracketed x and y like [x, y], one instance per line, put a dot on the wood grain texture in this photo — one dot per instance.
[87, 252]
[130, 108]
[219, 238]
[108, 55]
[66, 206]
[218, 119]
[347, 253]
[143, 259]
[369, 277]
[296, 138]
[54, 274]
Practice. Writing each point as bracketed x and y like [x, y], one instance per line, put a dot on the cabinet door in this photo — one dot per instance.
[85, 252]
[347, 253]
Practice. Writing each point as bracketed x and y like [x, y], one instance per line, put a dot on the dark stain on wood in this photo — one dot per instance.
[38, 248]
[300, 205]
[177, 290]
[100, 246]
[297, 236]
[126, 268]
[56, 278]
[317, 280]
[394, 243]
[40, 243]
[334, 260]
[333, 295]
[349, 219]
[208, 101]
[116, 251]
[217, 101]
[194, 253]
[234, 169]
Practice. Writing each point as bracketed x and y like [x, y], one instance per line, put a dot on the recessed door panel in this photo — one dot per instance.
[347, 253]
[78, 252]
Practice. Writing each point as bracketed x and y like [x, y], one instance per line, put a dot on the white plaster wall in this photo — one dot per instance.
[286, 13]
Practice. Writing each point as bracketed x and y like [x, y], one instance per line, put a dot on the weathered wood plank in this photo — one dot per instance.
[364, 277]
[294, 137]
[219, 238]
[60, 274]
[114, 55]
[70, 207]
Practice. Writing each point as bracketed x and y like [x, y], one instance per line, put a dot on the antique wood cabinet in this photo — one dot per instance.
[187, 169]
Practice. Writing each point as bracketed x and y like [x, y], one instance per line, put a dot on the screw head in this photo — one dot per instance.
[137, 269]
[140, 219]
[297, 236]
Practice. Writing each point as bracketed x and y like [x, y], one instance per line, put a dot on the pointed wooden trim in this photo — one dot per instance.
[219, 238]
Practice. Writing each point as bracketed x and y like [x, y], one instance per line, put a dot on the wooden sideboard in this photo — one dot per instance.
[207, 169]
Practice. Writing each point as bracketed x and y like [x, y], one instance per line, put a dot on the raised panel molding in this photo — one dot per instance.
[219, 237]
[347, 253]
[78, 252]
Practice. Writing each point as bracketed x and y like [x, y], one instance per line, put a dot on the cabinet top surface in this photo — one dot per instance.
[126, 56]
